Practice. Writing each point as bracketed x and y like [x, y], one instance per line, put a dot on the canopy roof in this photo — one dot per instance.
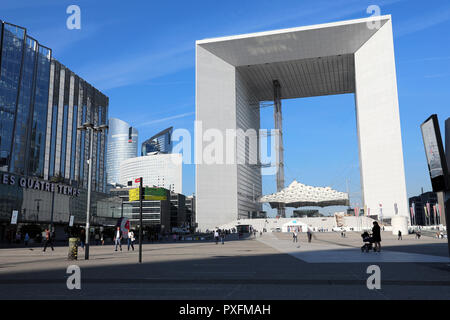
[300, 195]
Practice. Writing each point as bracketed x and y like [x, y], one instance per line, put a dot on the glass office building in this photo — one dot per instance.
[122, 145]
[24, 85]
[159, 143]
[71, 103]
[43, 157]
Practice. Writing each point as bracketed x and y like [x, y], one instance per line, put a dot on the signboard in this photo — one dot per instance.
[148, 194]
[155, 194]
[72, 218]
[134, 194]
[434, 151]
[14, 216]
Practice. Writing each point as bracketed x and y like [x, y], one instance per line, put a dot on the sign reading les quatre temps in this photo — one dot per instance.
[35, 184]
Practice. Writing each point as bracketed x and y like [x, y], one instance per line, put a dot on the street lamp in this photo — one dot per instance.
[89, 126]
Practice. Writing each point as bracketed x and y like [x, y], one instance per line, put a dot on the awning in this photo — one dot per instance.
[300, 195]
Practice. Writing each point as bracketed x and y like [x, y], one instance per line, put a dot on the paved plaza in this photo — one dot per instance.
[267, 267]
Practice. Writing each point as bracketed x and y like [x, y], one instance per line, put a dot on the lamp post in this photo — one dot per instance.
[89, 126]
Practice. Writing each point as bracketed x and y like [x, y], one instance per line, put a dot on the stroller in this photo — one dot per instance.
[368, 241]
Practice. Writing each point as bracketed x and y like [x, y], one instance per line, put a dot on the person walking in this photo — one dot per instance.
[101, 239]
[376, 234]
[295, 236]
[82, 238]
[309, 233]
[222, 237]
[118, 238]
[26, 239]
[399, 235]
[131, 240]
[48, 240]
[216, 236]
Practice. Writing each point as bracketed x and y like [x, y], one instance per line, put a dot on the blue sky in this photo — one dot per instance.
[141, 54]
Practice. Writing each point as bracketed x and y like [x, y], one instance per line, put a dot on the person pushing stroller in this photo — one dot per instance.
[368, 241]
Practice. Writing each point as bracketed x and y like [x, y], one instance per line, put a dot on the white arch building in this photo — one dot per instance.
[233, 74]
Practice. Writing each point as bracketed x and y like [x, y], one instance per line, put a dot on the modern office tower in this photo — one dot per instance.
[71, 103]
[160, 170]
[24, 83]
[159, 143]
[43, 157]
[122, 145]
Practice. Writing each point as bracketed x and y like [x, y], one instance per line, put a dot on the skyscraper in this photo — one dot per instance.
[24, 85]
[72, 102]
[43, 157]
[161, 143]
[122, 145]
[159, 170]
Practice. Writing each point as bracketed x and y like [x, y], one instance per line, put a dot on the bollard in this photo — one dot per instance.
[73, 248]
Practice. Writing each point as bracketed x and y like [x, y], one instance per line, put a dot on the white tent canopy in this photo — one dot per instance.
[301, 195]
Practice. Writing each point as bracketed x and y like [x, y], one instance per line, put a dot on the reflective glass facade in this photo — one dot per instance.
[74, 102]
[161, 142]
[122, 145]
[24, 85]
[42, 103]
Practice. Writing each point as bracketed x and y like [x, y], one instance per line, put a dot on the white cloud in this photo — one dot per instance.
[178, 116]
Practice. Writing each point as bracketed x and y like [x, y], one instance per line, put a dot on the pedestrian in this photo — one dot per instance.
[102, 241]
[376, 235]
[27, 238]
[418, 234]
[131, 240]
[294, 236]
[309, 233]
[216, 236]
[222, 236]
[399, 235]
[48, 240]
[118, 238]
[82, 238]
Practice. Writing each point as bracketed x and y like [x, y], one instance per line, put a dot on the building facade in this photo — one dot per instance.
[43, 157]
[24, 89]
[424, 207]
[190, 211]
[158, 216]
[160, 170]
[72, 102]
[159, 143]
[122, 145]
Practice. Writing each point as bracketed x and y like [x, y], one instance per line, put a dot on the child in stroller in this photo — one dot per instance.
[368, 240]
